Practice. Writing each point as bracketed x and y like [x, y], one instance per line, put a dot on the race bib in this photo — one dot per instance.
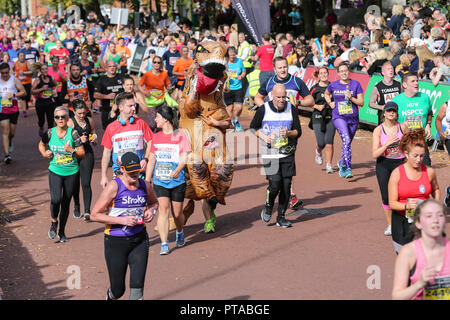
[172, 60]
[414, 122]
[345, 107]
[163, 171]
[232, 74]
[47, 94]
[278, 141]
[62, 159]
[7, 103]
[439, 291]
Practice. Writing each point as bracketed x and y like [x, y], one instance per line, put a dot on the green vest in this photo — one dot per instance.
[63, 163]
[253, 82]
[413, 111]
[247, 62]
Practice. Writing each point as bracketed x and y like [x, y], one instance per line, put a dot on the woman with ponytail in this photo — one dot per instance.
[169, 151]
[422, 268]
[409, 184]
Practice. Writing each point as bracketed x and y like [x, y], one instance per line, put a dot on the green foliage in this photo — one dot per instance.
[443, 5]
[10, 7]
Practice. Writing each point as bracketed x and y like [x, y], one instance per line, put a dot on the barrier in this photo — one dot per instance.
[438, 95]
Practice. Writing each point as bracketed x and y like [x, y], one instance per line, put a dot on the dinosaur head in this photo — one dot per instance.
[210, 56]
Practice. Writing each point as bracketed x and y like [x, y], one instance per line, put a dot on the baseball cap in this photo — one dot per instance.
[390, 106]
[130, 162]
[151, 51]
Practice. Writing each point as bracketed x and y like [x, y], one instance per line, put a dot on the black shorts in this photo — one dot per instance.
[27, 97]
[175, 194]
[12, 117]
[180, 86]
[233, 96]
[283, 167]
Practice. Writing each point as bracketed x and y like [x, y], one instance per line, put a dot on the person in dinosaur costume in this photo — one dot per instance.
[204, 118]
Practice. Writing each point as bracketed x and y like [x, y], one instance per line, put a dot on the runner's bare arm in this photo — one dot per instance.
[307, 101]
[21, 89]
[150, 167]
[259, 99]
[435, 192]
[373, 101]
[104, 166]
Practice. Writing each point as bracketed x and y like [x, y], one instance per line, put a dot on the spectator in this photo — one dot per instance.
[441, 71]
[416, 25]
[345, 47]
[396, 20]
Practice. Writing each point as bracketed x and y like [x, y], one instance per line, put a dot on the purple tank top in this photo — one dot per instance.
[127, 202]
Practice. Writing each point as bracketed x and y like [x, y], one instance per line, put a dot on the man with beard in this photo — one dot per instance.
[77, 87]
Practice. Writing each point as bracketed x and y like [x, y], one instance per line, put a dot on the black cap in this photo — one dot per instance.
[390, 106]
[151, 51]
[130, 162]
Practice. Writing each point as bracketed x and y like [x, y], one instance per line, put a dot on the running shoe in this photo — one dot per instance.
[447, 198]
[52, 231]
[62, 238]
[294, 203]
[164, 249]
[318, 158]
[388, 231]
[329, 168]
[7, 159]
[348, 173]
[282, 222]
[11, 147]
[238, 127]
[341, 169]
[209, 226]
[266, 213]
[180, 239]
[87, 215]
[76, 211]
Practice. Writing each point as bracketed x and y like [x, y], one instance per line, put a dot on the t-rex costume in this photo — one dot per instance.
[209, 169]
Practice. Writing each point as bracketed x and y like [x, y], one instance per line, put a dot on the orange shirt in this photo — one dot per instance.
[155, 84]
[126, 52]
[24, 78]
[181, 66]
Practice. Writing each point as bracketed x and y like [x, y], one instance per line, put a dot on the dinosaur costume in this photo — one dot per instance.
[209, 169]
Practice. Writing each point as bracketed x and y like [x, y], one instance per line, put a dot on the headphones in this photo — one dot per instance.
[123, 122]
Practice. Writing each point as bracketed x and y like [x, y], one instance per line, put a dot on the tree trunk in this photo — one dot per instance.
[309, 18]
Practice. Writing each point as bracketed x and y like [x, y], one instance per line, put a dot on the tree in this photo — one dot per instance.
[10, 7]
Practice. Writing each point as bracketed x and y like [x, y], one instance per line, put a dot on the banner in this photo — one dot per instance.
[438, 95]
[255, 14]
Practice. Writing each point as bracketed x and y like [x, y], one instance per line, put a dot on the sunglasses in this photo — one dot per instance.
[60, 117]
[157, 62]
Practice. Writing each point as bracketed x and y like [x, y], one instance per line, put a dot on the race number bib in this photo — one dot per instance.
[278, 141]
[439, 291]
[47, 94]
[414, 122]
[345, 107]
[6, 103]
[163, 171]
[62, 159]
[232, 74]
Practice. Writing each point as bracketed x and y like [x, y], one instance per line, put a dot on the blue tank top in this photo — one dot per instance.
[127, 202]
[292, 88]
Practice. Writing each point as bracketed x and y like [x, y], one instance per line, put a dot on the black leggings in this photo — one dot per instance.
[383, 170]
[61, 191]
[86, 165]
[121, 252]
[401, 231]
[44, 110]
[324, 138]
[281, 187]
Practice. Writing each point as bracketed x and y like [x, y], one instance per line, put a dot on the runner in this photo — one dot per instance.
[60, 52]
[128, 86]
[415, 108]
[409, 183]
[23, 72]
[112, 55]
[385, 90]
[348, 96]
[127, 133]
[295, 88]
[61, 144]
[422, 268]
[106, 89]
[321, 120]
[58, 73]
[234, 98]
[180, 69]
[97, 71]
[278, 126]
[44, 88]
[129, 203]
[385, 148]
[84, 125]
[77, 87]
[245, 54]
[154, 85]
[170, 57]
[10, 89]
[31, 54]
[442, 124]
[168, 157]
[124, 54]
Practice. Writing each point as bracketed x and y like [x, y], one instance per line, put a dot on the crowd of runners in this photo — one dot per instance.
[71, 74]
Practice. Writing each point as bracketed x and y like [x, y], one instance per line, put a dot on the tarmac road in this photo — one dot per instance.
[335, 250]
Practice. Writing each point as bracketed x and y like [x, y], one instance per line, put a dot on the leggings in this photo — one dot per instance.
[401, 233]
[121, 252]
[61, 191]
[347, 131]
[383, 169]
[324, 138]
[44, 110]
[86, 165]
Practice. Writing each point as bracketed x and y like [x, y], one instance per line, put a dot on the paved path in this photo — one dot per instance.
[335, 250]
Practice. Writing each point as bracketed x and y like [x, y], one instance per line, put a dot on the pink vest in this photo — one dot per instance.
[393, 151]
[421, 262]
